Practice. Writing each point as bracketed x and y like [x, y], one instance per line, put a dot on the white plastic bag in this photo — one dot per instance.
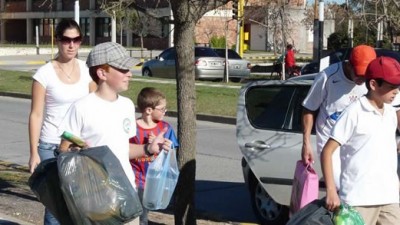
[161, 178]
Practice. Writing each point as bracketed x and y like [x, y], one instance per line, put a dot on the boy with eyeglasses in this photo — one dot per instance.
[152, 104]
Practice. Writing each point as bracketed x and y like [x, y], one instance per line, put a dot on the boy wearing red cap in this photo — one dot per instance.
[365, 133]
[332, 91]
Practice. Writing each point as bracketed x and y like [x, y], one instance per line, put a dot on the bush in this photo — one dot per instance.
[217, 42]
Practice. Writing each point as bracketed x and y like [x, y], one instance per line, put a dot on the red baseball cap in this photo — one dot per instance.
[360, 57]
[385, 68]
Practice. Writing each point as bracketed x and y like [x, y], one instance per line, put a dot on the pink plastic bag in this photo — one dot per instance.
[305, 187]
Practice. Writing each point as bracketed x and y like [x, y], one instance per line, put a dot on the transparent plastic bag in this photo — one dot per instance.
[96, 189]
[161, 178]
[347, 215]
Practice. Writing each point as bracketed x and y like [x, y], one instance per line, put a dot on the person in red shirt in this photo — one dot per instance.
[290, 62]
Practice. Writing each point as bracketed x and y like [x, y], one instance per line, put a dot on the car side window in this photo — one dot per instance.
[168, 54]
[276, 107]
[294, 121]
[267, 107]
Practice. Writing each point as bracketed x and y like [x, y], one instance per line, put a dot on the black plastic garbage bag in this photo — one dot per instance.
[45, 183]
[313, 213]
[96, 188]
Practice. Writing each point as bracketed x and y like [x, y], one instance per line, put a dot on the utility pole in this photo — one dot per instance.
[316, 30]
[241, 33]
[76, 11]
[226, 75]
[321, 29]
[113, 28]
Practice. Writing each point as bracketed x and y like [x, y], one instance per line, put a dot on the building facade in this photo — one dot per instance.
[24, 21]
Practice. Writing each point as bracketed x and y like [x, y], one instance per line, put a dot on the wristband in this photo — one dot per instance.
[146, 150]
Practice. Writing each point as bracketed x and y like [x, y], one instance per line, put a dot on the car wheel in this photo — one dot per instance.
[267, 210]
[146, 72]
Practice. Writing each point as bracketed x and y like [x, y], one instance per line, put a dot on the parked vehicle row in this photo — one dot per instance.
[209, 64]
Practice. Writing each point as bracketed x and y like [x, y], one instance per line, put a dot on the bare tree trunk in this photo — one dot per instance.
[186, 95]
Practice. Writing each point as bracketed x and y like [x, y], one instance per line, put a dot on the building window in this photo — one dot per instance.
[85, 28]
[44, 26]
[103, 27]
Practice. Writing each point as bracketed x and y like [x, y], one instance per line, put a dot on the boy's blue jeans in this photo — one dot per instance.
[46, 151]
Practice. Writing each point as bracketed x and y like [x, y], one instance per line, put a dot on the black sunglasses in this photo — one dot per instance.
[67, 40]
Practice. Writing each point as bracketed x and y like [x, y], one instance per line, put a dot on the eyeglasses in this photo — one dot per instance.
[67, 40]
[163, 110]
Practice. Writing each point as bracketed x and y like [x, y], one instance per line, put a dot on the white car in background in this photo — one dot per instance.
[238, 68]
[208, 65]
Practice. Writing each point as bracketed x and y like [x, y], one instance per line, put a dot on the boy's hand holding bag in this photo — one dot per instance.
[305, 186]
[161, 179]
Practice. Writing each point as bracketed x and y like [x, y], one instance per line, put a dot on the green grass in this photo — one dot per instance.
[210, 100]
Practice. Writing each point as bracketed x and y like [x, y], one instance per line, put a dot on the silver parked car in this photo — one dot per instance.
[208, 65]
[269, 135]
[238, 67]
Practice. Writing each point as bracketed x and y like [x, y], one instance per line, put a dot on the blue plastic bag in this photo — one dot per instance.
[347, 215]
[161, 178]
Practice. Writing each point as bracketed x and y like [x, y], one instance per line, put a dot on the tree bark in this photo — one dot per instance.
[186, 95]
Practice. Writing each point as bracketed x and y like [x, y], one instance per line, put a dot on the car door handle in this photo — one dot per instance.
[258, 145]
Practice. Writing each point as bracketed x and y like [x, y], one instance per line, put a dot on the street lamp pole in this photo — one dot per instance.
[76, 11]
[321, 29]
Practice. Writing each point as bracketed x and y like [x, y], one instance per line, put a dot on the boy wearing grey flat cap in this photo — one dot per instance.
[104, 117]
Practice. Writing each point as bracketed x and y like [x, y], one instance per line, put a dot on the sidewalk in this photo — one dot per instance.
[15, 56]
[8, 220]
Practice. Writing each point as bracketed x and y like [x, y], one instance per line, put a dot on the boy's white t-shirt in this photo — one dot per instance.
[368, 154]
[59, 97]
[100, 122]
[331, 93]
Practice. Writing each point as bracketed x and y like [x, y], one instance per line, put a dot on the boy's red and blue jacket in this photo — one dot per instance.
[140, 165]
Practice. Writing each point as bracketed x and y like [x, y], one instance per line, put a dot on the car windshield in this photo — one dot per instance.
[204, 52]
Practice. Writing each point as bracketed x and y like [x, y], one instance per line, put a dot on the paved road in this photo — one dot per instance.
[219, 183]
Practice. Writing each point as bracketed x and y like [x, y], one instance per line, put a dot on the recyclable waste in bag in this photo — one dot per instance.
[161, 178]
[45, 184]
[313, 213]
[96, 189]
[347, 215]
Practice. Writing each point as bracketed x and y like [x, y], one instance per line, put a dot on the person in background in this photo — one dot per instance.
[290, 61]
[368, 149]
[332, 91]
[55, 86]
[105, 117]
[153, 105]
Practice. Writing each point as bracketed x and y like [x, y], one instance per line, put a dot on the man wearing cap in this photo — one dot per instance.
[106, 118]
[332, 91]
[365, 134]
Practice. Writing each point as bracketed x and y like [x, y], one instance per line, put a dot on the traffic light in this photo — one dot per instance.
[235, 9]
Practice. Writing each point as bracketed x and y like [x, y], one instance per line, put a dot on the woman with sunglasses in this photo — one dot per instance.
[56, 85]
